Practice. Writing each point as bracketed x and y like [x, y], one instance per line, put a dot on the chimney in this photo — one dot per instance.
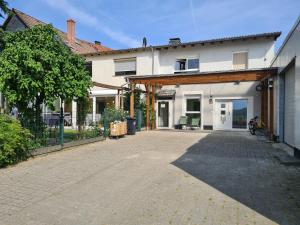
[97, 42]
[174, 41]
[71, 30]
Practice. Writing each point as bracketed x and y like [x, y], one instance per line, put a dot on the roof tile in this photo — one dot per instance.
[79, 46]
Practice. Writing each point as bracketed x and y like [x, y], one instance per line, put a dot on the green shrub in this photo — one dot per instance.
[15, 141]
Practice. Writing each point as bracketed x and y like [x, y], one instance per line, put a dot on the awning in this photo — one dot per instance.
[166, 93]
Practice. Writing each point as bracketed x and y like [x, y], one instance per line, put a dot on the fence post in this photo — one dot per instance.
[105, 125]
[61, 127]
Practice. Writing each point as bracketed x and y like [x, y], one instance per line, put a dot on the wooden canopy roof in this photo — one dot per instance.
[204, 77]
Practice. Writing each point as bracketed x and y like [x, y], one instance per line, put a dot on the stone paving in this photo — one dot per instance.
[158, 177]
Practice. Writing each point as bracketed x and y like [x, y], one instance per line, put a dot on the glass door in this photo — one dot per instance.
[239, 113]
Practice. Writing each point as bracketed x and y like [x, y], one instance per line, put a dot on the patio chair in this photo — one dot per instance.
[183, 122]
[195, 123]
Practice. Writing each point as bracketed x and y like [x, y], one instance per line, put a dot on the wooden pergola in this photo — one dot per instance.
[120, 90]
[152, 82]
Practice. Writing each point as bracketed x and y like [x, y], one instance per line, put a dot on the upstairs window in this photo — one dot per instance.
[186, 65]
[240, 60]
[125, 66]
[89, 67]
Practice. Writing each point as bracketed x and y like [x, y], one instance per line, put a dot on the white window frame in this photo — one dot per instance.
[186, 64]
[193, 95]
[244, 51]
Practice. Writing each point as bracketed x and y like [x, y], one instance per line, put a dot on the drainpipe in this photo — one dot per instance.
[152, 50]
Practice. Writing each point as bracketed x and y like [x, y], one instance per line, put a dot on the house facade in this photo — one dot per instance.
[287, 90]
[218, 104]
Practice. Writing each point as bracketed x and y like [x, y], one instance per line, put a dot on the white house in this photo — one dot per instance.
[287, 90]
[233, 68]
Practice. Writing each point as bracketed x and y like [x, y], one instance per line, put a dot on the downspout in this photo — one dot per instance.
[152, 50]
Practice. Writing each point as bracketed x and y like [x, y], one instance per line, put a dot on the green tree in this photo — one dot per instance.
[3, 8]
[36, 67]
[137, 99]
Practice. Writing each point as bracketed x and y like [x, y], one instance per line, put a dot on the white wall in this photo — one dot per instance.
[221, 90]
[104, 67]
[219, 57]
[289, 49]
[212, 58]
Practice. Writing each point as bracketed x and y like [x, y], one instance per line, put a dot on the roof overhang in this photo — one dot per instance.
[270, 36]
[205, 77]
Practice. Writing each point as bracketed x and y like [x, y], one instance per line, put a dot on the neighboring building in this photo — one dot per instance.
[287, 90]
[233, 68]
[18, 20]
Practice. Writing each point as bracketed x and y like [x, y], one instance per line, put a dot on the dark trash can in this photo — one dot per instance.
[131, 124]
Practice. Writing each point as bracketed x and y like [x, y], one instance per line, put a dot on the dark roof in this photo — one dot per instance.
[273, 35]
[79, 46]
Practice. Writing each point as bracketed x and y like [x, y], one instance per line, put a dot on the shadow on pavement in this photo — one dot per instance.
[245, 169]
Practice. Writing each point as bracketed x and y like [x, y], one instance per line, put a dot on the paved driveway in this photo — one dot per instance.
[157, 177]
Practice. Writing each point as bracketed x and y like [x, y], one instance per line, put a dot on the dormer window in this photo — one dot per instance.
[183, 65]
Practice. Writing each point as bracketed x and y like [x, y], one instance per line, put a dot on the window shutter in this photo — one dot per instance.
[240, 60]
[125, 65]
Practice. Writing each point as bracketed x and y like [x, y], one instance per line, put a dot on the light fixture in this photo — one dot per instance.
[210, 100]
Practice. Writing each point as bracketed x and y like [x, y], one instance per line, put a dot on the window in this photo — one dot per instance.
[89, 67]
[186, 64]
[193, 104]
[125, 66]
[240, 60]
[239, 113]
[193, 110]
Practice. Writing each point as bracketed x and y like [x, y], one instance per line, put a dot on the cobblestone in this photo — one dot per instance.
[158, 177]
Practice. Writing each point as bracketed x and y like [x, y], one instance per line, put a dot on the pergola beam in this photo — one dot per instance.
[207, 78]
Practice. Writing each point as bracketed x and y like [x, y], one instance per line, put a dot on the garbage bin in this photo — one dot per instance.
[131, 122]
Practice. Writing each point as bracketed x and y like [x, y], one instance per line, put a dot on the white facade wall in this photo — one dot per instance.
[289, 50]
[244, 90]
[219, 57]
[212, 57]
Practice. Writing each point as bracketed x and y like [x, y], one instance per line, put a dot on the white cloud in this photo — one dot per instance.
[92, 21]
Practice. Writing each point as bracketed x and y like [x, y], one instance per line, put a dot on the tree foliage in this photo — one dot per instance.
[3, 8]
[36, 67]
[15, 141]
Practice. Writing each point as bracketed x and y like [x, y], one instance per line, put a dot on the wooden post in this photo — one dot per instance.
[147, 106]
[153, 107]
[132, 101]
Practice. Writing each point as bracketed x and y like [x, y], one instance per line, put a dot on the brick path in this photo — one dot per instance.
[154, 178]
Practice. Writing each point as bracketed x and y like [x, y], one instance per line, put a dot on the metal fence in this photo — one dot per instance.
[57, 129]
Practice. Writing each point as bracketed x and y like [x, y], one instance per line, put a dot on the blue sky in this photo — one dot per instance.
[123, 23]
